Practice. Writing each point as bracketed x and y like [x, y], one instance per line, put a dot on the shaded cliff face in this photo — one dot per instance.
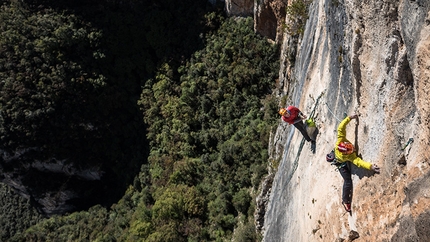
[239, 7]
[370, 58]
[60, 186]
[269, 15]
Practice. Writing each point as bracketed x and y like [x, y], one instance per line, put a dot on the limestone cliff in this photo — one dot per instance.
[269, 15]
[239, 7]
[371, 58]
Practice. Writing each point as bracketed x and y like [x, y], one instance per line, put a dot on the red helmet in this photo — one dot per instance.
[345, 147]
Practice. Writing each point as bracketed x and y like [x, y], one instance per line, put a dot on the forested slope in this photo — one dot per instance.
[171, 101]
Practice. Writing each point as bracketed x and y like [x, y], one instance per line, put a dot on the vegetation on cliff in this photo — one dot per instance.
[92, 80]
[297, 15]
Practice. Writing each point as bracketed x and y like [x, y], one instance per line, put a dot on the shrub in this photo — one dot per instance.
[297, 12]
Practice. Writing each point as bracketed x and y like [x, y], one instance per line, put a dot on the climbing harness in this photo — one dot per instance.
[339, 165]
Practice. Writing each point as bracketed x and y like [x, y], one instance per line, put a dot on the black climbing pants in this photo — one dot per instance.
[347, 184]
[302, 128]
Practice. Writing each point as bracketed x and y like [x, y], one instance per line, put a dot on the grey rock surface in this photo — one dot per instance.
[371, 58]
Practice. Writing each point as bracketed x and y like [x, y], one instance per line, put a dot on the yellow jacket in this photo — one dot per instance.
[341, 158]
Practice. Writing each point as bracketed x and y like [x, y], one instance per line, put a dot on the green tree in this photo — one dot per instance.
[207, 122]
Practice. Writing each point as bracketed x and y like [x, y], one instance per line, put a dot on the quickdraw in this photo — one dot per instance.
[339, 165]
[411, 140]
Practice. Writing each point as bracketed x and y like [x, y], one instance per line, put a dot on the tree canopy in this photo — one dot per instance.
[104, 85]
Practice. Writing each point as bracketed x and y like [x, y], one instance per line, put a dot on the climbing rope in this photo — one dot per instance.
[332, 112]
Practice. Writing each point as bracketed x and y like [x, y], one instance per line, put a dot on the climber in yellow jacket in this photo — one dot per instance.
[344, 152]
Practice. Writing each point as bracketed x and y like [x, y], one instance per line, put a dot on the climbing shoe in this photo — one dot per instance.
[313, 146]
[347, 206]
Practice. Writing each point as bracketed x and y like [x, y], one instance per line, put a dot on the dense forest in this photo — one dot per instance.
[172, 96]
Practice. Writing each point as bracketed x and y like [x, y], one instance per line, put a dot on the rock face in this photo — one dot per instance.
[239, 7]
[370, 58]
[268, 18]
[268, 15]
[59, 186]
[53, 186]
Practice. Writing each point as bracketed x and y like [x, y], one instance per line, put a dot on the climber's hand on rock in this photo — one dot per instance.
[375, 168]
[302, 116]
[354, 116]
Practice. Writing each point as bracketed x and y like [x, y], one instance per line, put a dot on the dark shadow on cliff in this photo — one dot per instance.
[361, 172]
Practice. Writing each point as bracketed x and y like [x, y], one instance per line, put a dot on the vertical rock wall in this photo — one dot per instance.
[239, 7]
[269, 15]
[371, 58]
